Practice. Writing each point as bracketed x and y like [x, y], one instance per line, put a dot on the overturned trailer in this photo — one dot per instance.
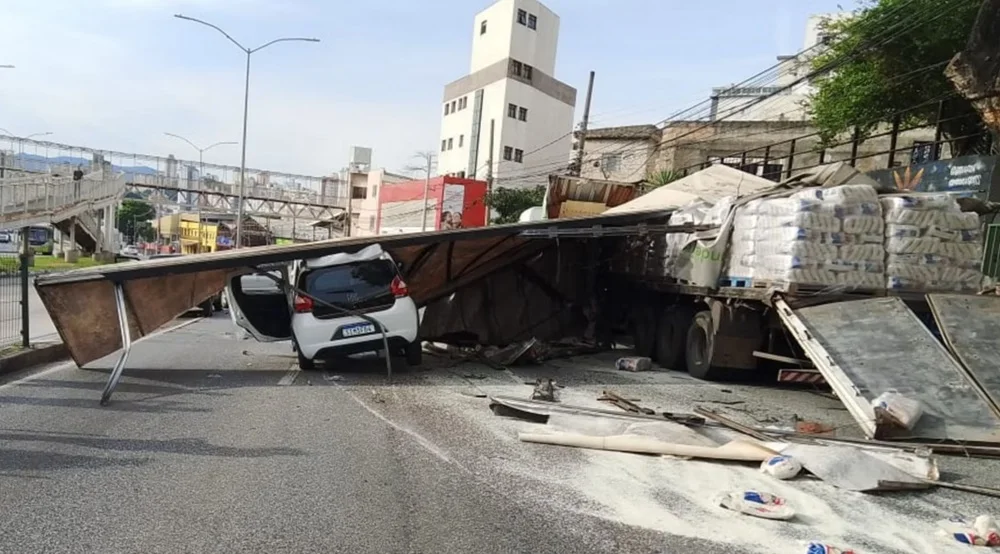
[494, 284]
[689, 304]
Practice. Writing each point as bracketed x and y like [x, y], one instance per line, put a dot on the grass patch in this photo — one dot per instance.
[50, 263]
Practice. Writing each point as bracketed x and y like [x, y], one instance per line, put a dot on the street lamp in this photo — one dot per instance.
[201, 151]
[246, 102]
[20, 140]
[6, 67]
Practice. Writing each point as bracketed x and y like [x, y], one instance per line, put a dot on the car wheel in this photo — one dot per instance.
[305, 364]
[208, 308]
[218, 303]
[414, 353]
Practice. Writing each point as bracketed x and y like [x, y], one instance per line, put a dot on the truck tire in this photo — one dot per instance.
[671, 336]
[699, 347]
[644, 330]
[207, 308]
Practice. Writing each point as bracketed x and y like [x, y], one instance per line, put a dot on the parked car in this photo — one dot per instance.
[130, 251]
[5, 237]
[367, 283]
[210, 305]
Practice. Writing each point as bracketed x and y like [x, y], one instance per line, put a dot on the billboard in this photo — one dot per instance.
[451, 203]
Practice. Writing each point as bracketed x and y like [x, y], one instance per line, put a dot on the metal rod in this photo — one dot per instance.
[25, 257]
[243, 158]
[489, 173]
[119, 368]
[855, 140]
[791, 159]
[893, 137]
[937, 130]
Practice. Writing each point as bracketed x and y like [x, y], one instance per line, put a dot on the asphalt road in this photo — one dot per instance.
[216, 444]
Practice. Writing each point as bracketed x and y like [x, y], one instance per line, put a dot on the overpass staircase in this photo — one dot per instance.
[41, 199]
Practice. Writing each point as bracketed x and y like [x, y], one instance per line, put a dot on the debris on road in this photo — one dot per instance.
[856, 470]
[781, 467]
[625, 404]
[812, 427]
[758, 504]
[545, 390]
[634, 364]
[820, 548]
[982, 531]
[736, 450]
[892, 408]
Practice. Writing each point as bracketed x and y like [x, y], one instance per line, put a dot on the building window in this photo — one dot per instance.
[447, 108]
[527, 72]
[461, 140]
[461, 174]
[515, 67]
[453, 103]
[371, 223]
[511, 111]
[518, 155]
[508, 153]
[374, 191]
[482, 28]
[450, 144]
[463, 102]
[444, 145]
[532, 21]
[611, 163]
[522, 114]
[522, 17]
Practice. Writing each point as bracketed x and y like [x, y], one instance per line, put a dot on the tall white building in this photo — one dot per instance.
[511, 84]
[785, 104]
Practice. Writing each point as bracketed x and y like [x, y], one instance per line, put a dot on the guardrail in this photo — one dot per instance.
[250, 191]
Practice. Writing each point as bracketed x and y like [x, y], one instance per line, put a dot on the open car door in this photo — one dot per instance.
[261, 306]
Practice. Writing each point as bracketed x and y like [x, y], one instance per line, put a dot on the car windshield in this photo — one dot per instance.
[352, 285]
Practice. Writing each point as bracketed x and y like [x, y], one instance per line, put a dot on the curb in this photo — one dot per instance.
[34, 356]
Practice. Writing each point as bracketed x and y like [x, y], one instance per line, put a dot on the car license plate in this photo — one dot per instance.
[358, 330]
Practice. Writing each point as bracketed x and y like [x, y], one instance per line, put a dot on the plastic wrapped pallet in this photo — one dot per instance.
[931, 244]
[826, 237]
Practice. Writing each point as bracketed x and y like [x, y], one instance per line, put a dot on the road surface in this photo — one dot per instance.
[215, 444]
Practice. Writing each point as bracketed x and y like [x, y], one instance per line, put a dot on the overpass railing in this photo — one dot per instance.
[44, 195]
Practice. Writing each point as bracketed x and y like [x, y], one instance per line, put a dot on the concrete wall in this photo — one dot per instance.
[545, 138]
[636, 159]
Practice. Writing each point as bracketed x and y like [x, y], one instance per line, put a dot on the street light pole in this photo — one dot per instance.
[246, 108]
[201, 152]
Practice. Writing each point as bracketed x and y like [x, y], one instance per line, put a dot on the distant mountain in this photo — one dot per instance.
[34, 162]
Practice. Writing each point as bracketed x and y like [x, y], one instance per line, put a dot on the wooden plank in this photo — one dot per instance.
[783, 359]
[970, 326]
[867, 347]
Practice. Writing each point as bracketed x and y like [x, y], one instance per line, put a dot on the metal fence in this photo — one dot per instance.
[10, 300]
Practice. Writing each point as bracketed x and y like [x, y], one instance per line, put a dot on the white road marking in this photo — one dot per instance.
[417, 437]
[71, 364]
[289, 378]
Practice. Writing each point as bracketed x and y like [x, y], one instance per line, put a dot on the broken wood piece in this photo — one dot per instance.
[628, 405]
[608, 399]
[813, 428]
[686, 419]
[544, 390]
[726, 422]
[737, 450]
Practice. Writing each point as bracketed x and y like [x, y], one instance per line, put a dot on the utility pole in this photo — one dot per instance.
[489, 172]
[578, 165]
[428, 169]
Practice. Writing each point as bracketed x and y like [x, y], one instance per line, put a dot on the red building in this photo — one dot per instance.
[451, 203]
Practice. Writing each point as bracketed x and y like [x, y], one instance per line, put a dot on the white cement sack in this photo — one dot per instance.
[861, 252]
[863, 224]
[920, 202]
[897, 409]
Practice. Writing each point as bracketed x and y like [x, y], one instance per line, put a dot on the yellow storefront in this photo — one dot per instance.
[197, 237]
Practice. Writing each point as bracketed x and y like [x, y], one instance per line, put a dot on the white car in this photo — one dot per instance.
[366, 289]
[130, 250]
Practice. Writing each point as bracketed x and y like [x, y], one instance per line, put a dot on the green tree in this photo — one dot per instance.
[659, 178]
[509, 203]
[134, 218]
[888, 58]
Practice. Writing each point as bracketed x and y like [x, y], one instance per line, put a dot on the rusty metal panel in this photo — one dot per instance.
[155, 301]
[971, 327]
[84, 316]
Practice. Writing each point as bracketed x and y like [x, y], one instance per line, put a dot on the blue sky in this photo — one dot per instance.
[117, 74]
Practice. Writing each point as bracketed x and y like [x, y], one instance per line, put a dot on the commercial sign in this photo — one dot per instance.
[964, 176]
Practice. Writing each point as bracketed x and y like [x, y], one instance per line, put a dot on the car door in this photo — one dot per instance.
[261, 306]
